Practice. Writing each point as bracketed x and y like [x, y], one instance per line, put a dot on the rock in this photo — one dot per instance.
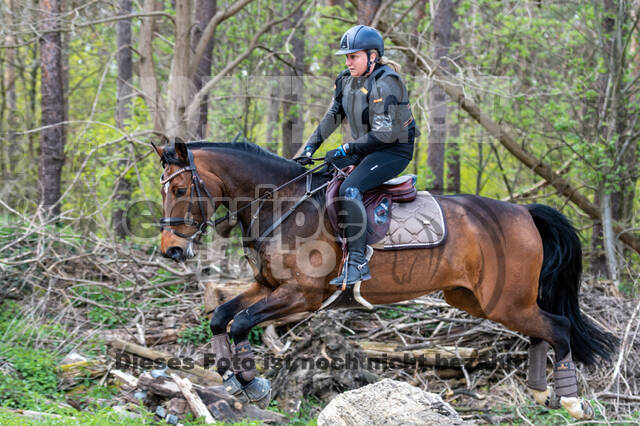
[389, 402]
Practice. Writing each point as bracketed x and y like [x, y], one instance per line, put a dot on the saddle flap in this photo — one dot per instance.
[377, 202]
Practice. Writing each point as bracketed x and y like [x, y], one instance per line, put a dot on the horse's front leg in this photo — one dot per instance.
[285, 300]
[221, 317]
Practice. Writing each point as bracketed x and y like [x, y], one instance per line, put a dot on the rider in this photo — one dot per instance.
[373, 97]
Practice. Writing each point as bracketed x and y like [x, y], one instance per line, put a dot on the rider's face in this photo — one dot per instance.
[357, 62]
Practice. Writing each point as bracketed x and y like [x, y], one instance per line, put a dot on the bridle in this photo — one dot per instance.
[198, 187]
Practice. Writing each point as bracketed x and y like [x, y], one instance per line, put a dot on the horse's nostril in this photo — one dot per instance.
[175, 253]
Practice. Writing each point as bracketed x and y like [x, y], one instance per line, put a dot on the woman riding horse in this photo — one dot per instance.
[373, 97]
[516, 265]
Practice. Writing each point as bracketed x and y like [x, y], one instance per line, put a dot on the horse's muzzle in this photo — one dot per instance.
[176, 253]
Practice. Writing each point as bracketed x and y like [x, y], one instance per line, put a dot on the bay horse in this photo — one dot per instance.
[516, 265]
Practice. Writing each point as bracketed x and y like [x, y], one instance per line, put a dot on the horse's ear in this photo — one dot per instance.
[158, 151]
[181, 149]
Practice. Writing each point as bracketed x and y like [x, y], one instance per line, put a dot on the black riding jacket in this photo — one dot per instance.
[378, 111]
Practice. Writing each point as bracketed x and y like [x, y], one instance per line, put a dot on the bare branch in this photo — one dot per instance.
[192, 109]
[210, 29]
[120, 18]
[281, 59]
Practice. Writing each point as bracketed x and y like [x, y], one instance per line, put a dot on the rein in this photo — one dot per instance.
[197, 184]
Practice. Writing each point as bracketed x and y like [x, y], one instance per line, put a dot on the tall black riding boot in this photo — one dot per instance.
[354, 222]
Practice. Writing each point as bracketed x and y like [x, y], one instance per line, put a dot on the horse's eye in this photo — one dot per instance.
[180, 192]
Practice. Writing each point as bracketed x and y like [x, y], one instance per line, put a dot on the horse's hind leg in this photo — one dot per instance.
[464, 299]
[564, 369]
[556, 330]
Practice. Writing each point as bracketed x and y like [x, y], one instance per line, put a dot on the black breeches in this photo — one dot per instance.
[373, 170]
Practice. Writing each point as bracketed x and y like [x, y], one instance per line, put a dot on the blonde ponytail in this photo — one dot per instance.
[393, 64]
[385, 61]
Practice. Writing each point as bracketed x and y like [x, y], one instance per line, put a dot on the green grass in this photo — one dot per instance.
[103, 417]
[304, 416]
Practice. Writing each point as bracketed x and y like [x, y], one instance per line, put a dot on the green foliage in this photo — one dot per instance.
[197, 335]
[255, 335]
[305, 416]
[100, 417]
[34, 380]
[104, 311]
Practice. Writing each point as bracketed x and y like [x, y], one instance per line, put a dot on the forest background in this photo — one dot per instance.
[525, 101]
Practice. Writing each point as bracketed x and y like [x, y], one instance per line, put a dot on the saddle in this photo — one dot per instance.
[377, 202]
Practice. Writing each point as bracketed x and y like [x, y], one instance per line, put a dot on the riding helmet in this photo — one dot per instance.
[359, 38]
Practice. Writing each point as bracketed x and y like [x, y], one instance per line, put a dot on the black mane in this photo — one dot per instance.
[290, 167]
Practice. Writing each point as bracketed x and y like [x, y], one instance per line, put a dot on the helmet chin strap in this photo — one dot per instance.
[370, 62]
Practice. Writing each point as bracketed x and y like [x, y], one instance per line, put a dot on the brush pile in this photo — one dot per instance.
[91, 287]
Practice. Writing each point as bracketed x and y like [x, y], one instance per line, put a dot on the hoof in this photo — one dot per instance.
[577, 407]
[547, 397]
[259, 392]
[233, 386]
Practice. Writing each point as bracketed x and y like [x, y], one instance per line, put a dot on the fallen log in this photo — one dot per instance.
[127, 379]
[197, 406]
[74, 373]
[443, 356]
[152, 337]
[162, 358]
[162, 386]
[220, 403]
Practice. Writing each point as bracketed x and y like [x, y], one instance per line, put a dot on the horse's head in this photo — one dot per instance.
[187, 204]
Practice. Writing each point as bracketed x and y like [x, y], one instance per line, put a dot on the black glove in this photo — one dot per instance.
[306, 157]
[335, 154]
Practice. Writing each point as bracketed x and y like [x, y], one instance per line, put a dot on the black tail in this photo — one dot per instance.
[559, 286]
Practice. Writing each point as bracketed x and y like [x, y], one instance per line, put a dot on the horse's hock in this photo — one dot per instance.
[388, 402]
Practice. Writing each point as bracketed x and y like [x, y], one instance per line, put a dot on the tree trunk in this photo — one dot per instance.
[438, 99]
[293, 89]
[52, 139]
[453, 151]
[367, 10]
[274, 111]
[148, 78]
[453, 119]
[180, 92]
[123, 113]
[416, 39]
[10, 97]
[617, 189]
[205, 10]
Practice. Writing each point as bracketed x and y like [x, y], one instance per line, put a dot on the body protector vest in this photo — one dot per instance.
[377, 109]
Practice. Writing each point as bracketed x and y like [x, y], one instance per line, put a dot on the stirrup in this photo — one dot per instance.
[345, 278]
